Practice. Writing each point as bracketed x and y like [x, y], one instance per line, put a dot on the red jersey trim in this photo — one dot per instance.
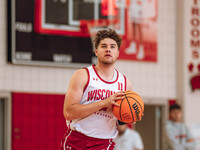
[103, 79]
[125, 83]
[88, 79]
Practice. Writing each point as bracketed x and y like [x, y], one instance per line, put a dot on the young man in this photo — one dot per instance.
[92, 92]
[128, 139]
[177, 134]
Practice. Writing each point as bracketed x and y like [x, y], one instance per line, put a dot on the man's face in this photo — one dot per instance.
[175, 115]
[107, 51]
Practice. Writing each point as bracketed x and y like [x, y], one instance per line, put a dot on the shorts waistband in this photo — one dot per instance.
[81, 135]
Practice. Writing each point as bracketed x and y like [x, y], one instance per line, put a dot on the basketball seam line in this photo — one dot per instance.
[120, 109]
[130, 109]
[138, 103]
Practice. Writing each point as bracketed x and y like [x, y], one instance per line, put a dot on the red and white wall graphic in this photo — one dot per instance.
[140, 39]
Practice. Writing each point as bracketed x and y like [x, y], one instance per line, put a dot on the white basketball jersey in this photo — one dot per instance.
[101, 124]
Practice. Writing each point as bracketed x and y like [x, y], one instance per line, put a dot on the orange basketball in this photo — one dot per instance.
[131, 107]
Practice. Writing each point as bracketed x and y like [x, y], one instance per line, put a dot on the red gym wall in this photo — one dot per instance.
[37, 121]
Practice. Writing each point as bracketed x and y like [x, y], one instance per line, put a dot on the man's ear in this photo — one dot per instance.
[118, 54]
[95, 51]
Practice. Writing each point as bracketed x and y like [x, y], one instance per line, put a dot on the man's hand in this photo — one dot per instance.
[113, 98]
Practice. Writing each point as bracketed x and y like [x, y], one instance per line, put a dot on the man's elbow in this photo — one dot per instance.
[67, 115]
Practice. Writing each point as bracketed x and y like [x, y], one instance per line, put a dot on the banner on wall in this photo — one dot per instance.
[140, 41]
[194, 64]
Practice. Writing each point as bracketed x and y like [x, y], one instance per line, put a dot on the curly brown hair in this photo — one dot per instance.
[110, 33]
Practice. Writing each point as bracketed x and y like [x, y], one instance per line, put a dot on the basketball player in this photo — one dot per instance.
[178, 136]
[135, 13]
[92, 92]
[142, 13]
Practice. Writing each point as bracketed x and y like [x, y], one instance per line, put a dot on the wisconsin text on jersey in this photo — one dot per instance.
[99, 94]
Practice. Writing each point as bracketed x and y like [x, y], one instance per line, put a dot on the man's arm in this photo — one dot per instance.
[72, 107]
[129, 88]
[190, 145]
[129, 85]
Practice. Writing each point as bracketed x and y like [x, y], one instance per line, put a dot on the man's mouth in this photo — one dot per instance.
[107, 55]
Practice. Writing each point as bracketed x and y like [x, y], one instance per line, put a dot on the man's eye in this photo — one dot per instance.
[112, 46]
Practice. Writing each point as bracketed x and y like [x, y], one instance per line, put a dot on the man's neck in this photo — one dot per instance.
[175, 121]
[105, 71]
[121, 133]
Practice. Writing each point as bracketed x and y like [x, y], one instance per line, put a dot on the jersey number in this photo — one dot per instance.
[120, 85]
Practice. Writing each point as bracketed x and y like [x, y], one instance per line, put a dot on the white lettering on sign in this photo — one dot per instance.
[62, 58]
[23, 55]
[23, 27]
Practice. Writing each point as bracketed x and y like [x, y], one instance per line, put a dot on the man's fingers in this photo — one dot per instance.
[114, 103]
[118, 98]
[118, 95]
[140, 118]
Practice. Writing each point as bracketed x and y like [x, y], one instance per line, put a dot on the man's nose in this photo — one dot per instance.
[108, 49]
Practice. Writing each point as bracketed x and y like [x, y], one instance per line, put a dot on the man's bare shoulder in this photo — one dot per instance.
[80, 76]
[80, 72]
